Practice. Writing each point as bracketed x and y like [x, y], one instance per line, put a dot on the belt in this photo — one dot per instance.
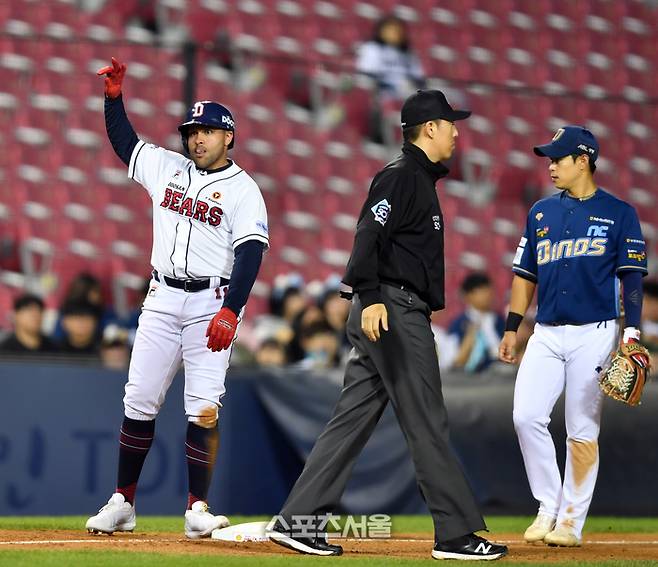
[350, 294]
[398, 285]
[188, 285]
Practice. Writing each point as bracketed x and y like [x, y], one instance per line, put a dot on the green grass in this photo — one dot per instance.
[401, 524]
[16, 557]
[144, 523]
[114, 558]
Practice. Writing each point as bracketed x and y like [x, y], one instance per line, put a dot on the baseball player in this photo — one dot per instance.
[579, 245]
[209, 234]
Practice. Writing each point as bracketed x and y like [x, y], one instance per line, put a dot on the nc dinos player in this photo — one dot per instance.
[578, 246]
[209, 233]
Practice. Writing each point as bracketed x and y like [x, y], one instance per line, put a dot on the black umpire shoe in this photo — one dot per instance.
[310, 545]
[469, 547]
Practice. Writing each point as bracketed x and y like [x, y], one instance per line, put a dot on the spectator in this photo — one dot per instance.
[80, 325]
[115, 349]
[396, 70]
[311, 314]
[130, 320]
[287, 300]
[271, 354]
[290, 303]
[479, 328]
[27, 337]
[320, 346]
[389, 60]
[447, 345]
[335, 310]
[86, 288]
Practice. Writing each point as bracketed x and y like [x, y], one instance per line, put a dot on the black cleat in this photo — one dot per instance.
[310, 545]
[470, 547]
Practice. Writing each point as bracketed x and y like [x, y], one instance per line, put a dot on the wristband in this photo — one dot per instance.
[631, 334]
[513, 321]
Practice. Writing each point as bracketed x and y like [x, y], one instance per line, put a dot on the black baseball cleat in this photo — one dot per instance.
[309, 545]
[470, 547]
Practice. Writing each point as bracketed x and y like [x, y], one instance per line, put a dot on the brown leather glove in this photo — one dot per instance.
[624, 376]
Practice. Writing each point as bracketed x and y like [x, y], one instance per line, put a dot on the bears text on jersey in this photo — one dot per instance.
[202, 212]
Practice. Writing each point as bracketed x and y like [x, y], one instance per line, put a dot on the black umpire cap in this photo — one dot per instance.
[426, 105]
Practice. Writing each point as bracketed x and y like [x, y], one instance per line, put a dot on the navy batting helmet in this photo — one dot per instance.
[207, 113]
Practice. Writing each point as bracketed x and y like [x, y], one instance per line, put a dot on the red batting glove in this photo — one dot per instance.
[221, 329]
[113, 78]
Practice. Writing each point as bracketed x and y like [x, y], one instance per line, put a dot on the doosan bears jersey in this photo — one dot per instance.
[574, 249]
[199, 217]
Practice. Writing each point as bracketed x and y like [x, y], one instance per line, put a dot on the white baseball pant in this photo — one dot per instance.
[562, 358]
[171, 330]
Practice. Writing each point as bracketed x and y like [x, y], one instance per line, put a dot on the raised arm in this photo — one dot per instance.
[119, 130]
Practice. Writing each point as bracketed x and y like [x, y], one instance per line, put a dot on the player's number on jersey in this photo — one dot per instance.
[198, 109]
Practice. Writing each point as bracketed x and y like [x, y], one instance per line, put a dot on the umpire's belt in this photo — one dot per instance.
[187, 285]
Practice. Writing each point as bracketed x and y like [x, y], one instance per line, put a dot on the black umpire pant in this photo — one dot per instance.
[402, 366]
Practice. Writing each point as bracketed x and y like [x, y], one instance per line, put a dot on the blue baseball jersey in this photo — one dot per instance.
[573, 249]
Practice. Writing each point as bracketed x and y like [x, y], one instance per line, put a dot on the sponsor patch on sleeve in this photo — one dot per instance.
[381, 211]
[639, 255]
[519, 251]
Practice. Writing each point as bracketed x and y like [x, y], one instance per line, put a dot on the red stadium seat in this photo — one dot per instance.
[308, 156]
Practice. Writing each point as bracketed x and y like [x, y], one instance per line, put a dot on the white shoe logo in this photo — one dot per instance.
[483, 548]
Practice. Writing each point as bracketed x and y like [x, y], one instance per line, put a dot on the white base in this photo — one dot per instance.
[249, 531]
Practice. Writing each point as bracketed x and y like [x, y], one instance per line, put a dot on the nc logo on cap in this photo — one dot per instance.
[558, 134]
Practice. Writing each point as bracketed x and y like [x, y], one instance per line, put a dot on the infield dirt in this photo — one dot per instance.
[596, 547]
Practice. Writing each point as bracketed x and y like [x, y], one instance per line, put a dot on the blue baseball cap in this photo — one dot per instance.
[570, 140]
[208, 113]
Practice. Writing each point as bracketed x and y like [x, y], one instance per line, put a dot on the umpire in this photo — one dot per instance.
[396, 271]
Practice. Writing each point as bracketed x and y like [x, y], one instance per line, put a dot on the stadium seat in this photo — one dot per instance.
[258, 57]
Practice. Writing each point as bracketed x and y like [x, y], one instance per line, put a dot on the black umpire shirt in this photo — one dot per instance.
[399, 236]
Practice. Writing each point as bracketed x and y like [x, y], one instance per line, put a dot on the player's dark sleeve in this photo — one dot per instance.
[246, 263]
[632, 294]
[362, 268]
[119, 129]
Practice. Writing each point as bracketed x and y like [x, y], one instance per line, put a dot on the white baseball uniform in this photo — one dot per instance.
[199, 218]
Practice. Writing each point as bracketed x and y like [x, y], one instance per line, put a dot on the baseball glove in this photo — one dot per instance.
[624, 376]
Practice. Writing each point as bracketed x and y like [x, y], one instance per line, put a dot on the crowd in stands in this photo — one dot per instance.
[305, 328]
[85, 329]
